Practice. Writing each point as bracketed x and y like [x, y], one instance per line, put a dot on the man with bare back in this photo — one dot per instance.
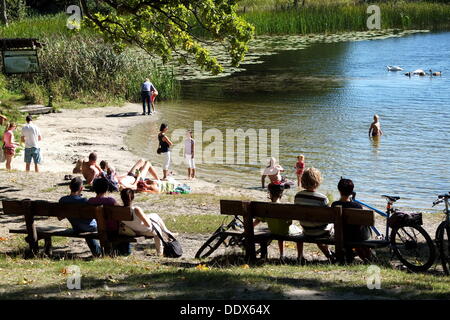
[90, 169]
[375, 127]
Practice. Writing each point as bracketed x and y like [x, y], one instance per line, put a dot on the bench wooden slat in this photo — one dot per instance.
[43, 208]
[358, 217]
[231, 207]
[51, 231]
[77, 210]
[118, 213]
[15, 207]
[293, 211]
[56, 232]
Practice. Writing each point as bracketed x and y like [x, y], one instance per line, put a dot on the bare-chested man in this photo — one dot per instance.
[90, 169]
[375, 127]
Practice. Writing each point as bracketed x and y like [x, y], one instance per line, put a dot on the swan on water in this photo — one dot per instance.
[419, 72]
[394, 68]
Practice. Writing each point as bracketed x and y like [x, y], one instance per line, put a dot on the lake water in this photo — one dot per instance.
[322, 100]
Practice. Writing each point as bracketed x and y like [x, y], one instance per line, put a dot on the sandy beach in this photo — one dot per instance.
[73, 134]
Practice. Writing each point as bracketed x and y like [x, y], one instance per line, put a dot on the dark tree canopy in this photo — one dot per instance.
[165, 27]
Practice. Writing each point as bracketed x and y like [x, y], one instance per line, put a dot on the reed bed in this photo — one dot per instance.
[80, 65]
[331, 18]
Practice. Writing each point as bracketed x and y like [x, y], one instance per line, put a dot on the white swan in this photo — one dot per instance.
[394, 68]
[419, 72]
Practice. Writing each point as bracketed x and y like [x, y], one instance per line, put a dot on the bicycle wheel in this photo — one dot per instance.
[413, 247]
[211, 245]
[442, 240]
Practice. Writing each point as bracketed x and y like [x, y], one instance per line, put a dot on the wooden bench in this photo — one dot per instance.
[337, 215]
[36, 209]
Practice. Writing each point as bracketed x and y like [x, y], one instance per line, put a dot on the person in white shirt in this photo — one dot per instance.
[31, 135]
[148, 94]
[189, 145]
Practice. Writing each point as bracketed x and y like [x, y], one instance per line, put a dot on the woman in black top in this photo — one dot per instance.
[164, 148]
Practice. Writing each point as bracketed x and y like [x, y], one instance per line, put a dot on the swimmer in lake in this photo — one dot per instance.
[375, 127]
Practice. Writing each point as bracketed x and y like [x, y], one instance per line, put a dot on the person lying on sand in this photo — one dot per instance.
[137, 174]
[89, 169]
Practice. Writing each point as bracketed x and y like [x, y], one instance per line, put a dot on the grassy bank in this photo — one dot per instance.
[227, 278]
[79, 69]
[331, 18]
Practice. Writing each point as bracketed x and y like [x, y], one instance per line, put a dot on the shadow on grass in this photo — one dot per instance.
[215, 284]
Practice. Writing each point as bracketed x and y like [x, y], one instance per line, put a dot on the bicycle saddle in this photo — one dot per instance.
[391, 198]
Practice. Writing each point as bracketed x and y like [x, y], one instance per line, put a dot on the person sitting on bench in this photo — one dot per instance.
[100, 186]
[279, 226]
[311, 180]
[145, 224]
[352, 232]
[82, 225]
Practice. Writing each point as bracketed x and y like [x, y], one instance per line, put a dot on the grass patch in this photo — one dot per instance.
[204, 224]
[134, 278]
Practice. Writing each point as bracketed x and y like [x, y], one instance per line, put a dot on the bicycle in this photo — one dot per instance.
[220, 235]
[443, 234]
[410, 243]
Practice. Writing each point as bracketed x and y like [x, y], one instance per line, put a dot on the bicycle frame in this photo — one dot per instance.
[381, 213]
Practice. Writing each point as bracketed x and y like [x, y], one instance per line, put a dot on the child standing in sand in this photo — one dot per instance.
[189, 145]
[300, 166]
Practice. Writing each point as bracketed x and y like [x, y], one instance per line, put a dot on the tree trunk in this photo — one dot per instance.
[3, 17]
[295, 4]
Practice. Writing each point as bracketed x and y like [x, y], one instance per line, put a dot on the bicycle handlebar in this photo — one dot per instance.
[435, 203]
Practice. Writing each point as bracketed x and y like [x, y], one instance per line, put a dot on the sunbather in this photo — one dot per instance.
[137, 173]
[89, 169]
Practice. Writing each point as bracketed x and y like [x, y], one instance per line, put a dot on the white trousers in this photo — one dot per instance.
[190, 161]
[166, 163]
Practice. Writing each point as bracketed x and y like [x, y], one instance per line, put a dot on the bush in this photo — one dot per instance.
[82, 66]
[34, 93]
[16, 9]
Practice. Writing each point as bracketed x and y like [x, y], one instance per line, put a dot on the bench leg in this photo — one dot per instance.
[34, 246]
[264, 245]
[48, 246]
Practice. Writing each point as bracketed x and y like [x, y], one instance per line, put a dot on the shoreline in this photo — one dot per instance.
[73, 134]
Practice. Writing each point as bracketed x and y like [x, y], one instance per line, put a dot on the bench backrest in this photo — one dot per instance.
[296, 212]
[337, 215]
[12, 207]
[118, 213]
[66, 210]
